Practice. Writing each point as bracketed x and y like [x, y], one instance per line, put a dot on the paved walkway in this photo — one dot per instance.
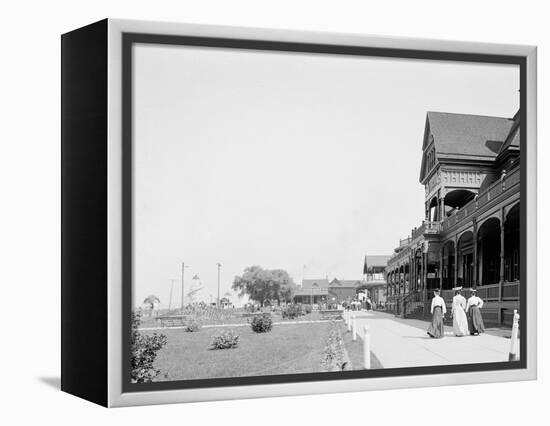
[400, 342]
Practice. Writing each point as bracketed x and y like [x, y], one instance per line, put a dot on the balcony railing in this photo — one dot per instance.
[427, 227]
[496, 189]
[405, 242]
[433, 227]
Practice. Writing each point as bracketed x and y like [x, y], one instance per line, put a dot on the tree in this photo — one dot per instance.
[151, 300]
[264, 284]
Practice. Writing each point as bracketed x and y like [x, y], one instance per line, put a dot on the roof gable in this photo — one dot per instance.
[315, 283]
[344, 283]
[512, 140]
[467, 135]
[378, 260]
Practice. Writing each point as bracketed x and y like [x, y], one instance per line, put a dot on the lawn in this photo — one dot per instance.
[287, 349]
[232, 317]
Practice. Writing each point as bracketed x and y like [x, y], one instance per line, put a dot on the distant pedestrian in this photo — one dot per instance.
[438, 310]
[460, 322]
[473, 309]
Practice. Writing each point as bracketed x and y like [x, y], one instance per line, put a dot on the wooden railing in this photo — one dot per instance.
[496, 189]
[433, 227]
[488, 293]
[397, 257]
[415, 301]
[510, 290]
[427, 227]
[405, 242]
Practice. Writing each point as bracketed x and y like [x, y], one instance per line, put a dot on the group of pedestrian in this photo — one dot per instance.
[466, 315]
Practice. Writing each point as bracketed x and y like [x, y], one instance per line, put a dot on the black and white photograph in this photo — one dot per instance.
[274, 213]
[301, 214]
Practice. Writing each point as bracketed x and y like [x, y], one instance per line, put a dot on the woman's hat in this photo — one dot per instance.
[436, 290]
[473, 290]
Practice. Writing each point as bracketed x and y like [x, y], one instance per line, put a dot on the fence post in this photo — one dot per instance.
[366, 348]
[514, 355]
[354, 329]
[349, 322]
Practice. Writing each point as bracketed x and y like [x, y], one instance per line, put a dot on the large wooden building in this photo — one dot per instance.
[470, 233]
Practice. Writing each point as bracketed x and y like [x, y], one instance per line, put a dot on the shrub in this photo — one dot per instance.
[334, 356]
[262, 323]
[144, 353]
[192, 326]
[225, 340]
[292, 311]
[308, 309]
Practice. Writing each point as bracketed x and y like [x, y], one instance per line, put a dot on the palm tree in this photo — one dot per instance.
[151, 300]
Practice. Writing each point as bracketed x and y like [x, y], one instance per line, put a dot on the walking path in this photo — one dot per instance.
[404, 343]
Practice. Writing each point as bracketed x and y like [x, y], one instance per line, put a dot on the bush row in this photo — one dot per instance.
[295, 310]
[334, 356]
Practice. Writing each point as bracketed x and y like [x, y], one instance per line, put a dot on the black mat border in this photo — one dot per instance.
[129, 39]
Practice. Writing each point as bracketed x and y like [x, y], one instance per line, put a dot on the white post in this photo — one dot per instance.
[514, 343]
[354, 329]
[349, 322]
[366, 348]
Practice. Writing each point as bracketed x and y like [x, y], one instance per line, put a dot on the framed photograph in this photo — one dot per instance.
[252, 212]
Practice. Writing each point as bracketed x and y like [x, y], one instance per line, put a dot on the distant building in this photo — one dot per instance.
[316, 291]
[343, 290]
[312, 291]
[470, 233]
[374, 278]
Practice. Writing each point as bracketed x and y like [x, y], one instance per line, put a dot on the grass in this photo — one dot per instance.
[236, 318]
[287, 349]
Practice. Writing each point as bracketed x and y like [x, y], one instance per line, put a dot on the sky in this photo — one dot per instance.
[304, 162]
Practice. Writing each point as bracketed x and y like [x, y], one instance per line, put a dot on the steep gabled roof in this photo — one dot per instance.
[344, 283]
[377, 260]
[512, 140]
[468, 135]
[463, 137]
[315, 283]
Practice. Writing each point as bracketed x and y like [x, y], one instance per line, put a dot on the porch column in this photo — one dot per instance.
[501, 281]
[474, 272]
[424, 268]
[441, 267]
[411, 271]
[456, 264]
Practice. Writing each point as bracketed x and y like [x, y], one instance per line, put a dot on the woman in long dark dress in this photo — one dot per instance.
[438, 310]
[473, 311]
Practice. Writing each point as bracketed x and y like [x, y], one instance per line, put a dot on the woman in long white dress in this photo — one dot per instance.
[460, 322]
